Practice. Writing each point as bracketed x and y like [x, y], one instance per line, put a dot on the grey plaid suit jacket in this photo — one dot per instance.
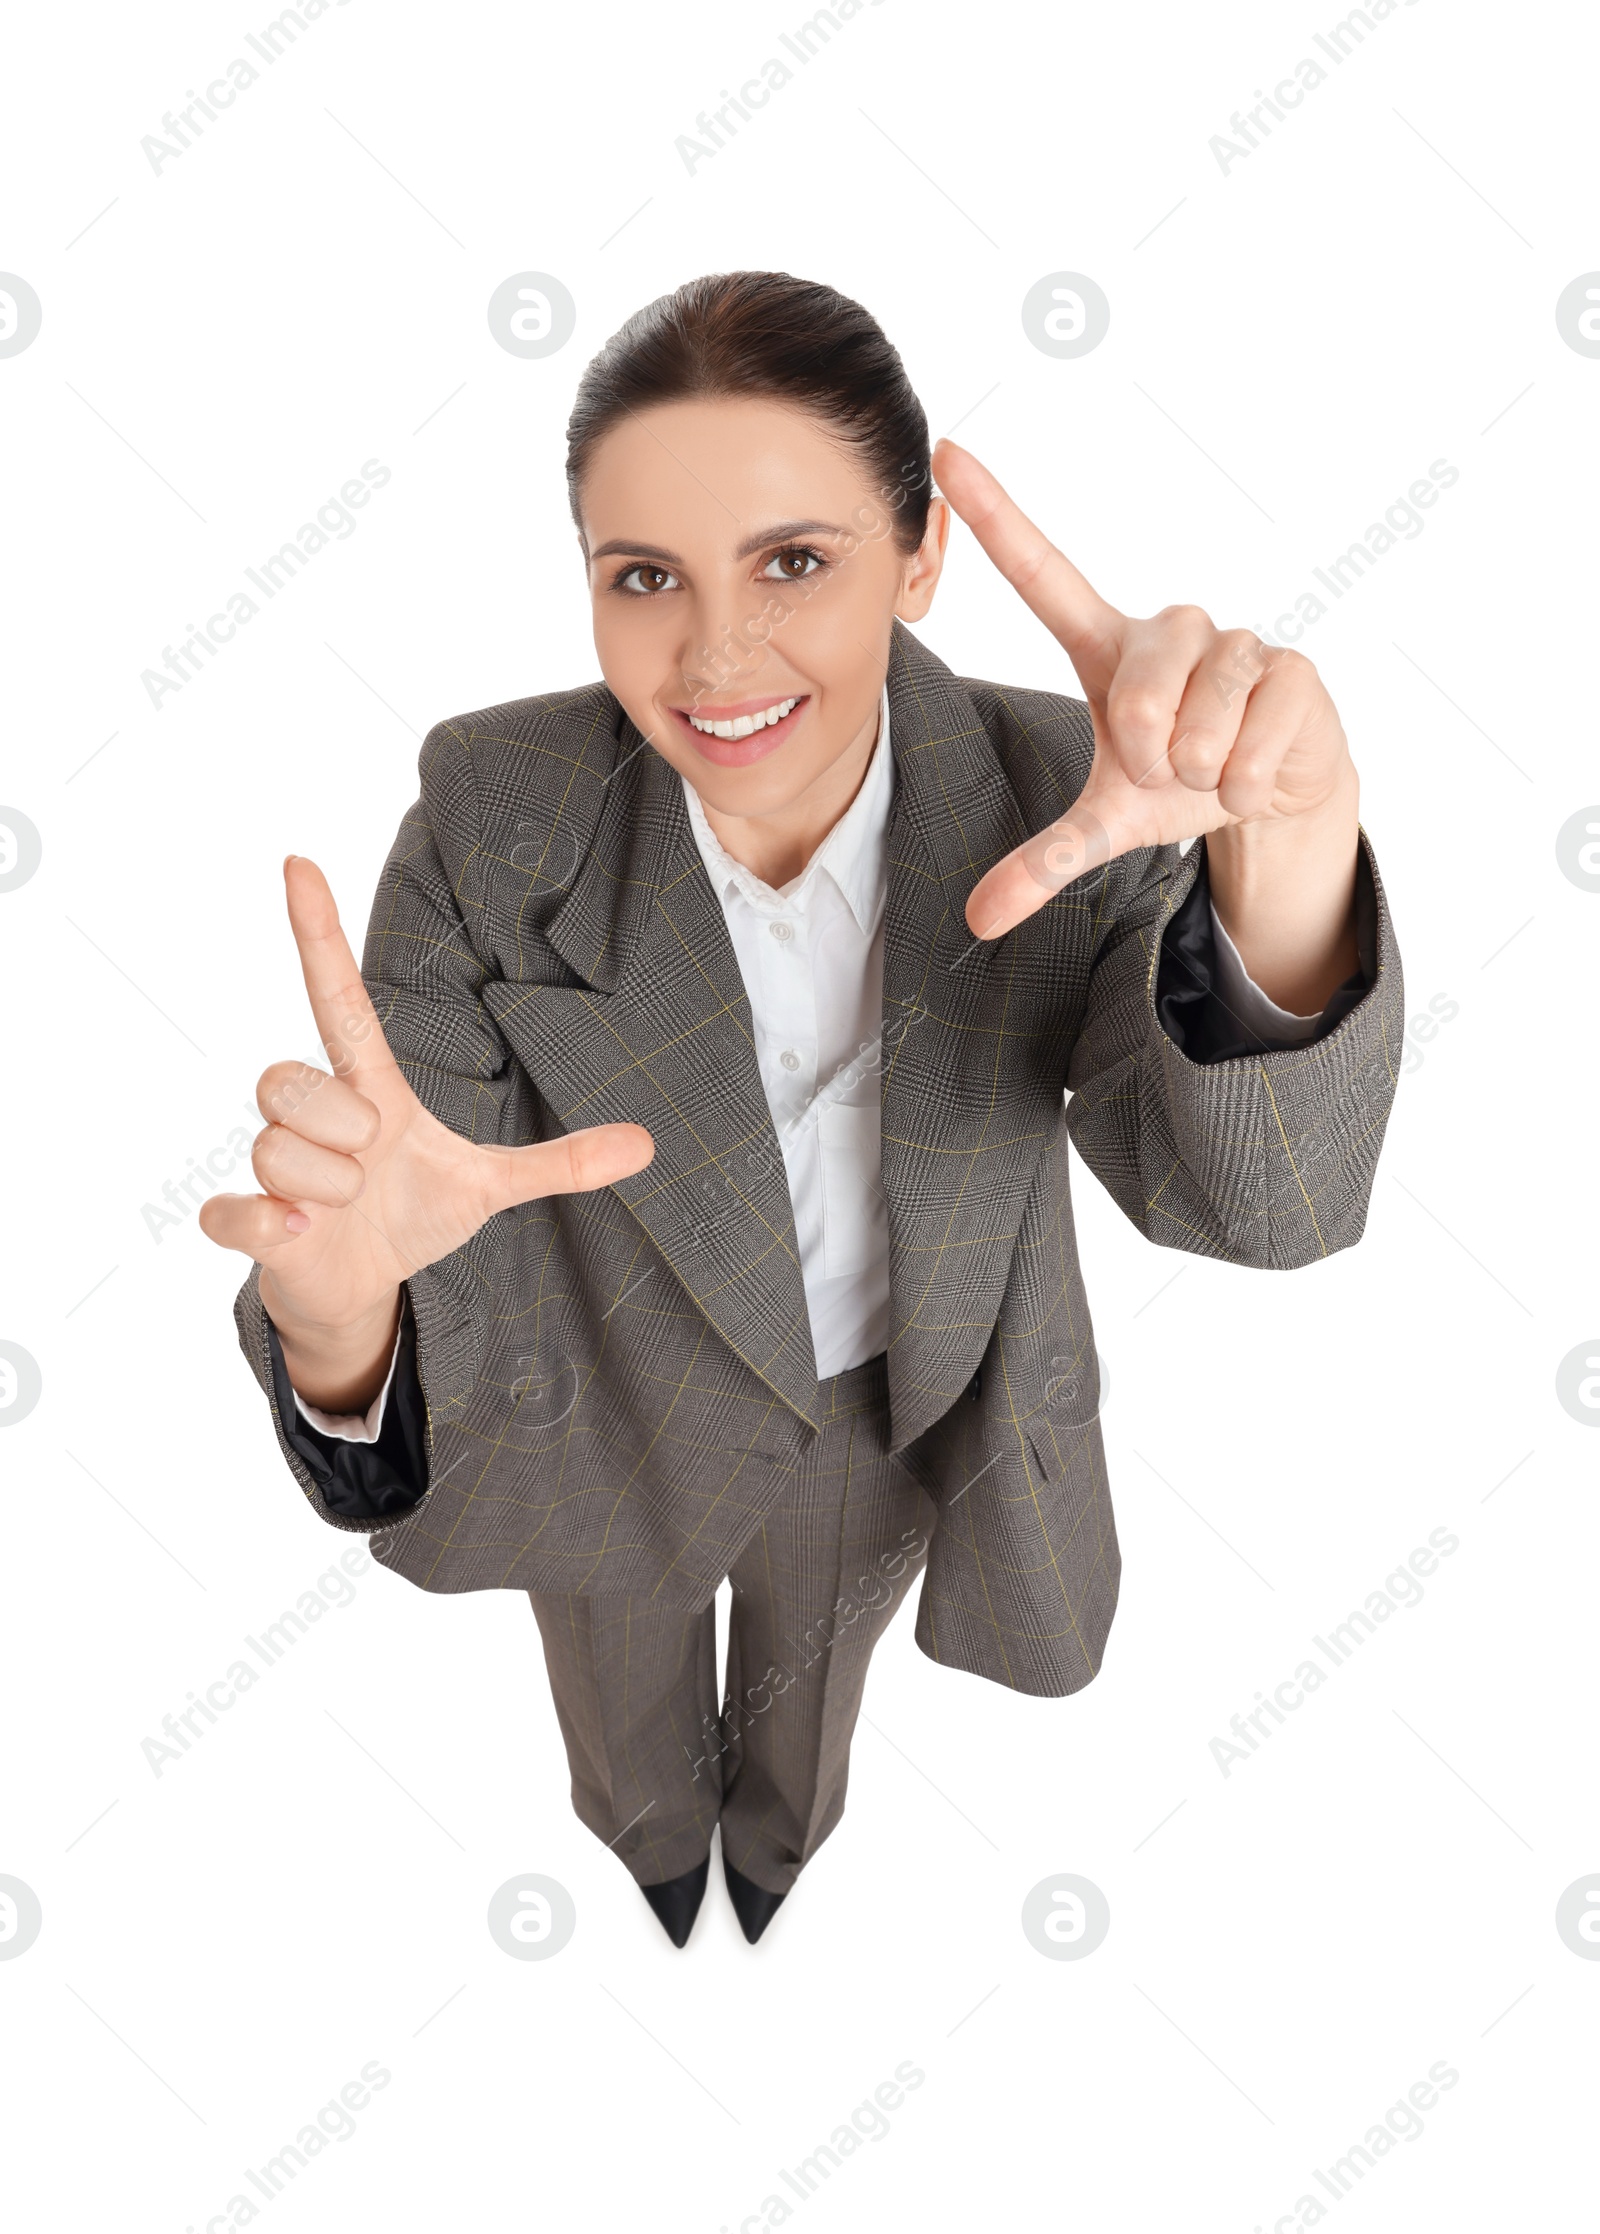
[619, 1384]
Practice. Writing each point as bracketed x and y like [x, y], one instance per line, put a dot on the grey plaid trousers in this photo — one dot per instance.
[657, 1758]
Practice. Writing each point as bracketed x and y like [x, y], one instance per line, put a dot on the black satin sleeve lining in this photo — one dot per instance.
[1192, 1013]
[364, 1481]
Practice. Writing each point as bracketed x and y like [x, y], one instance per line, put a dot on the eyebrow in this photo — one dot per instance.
[784, 532]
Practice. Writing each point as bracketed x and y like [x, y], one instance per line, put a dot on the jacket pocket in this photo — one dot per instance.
[1068, 1413]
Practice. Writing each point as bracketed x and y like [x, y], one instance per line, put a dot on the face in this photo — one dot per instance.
[744, 578]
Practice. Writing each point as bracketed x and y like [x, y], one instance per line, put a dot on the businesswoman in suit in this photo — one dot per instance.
[687, 1193]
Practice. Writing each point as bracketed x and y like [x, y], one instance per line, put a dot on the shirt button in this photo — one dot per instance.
[789, 1059]
[781, 930]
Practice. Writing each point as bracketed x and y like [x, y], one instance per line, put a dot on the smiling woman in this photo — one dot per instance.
[774, 610]
[669, 622]
[713, 1041]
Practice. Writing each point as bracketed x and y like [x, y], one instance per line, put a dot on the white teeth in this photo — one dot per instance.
[747, 724]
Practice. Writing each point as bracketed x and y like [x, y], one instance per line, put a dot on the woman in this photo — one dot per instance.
[688, 1196]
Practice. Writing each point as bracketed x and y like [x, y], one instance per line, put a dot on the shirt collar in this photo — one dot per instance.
[852, 854]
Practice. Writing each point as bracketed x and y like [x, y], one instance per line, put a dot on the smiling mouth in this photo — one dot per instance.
[742, 733]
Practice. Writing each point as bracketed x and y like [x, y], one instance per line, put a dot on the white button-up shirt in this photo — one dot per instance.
[811, 956]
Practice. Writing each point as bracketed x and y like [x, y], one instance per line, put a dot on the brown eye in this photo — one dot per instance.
[792, 565]
[654, 578]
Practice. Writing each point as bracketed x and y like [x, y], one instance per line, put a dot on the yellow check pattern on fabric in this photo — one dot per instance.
[621, 1385]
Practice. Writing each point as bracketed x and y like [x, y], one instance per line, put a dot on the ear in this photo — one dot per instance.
[926, 563]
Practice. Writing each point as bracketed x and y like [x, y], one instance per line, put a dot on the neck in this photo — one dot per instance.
[776, 847]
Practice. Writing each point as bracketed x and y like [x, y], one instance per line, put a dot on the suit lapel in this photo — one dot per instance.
[661, 1036]
[974, 1052]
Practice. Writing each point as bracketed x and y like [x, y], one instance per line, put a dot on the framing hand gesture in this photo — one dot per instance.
[1196, 728]
[363, 1185]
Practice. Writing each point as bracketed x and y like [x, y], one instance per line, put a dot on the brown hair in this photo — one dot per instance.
[766, 333]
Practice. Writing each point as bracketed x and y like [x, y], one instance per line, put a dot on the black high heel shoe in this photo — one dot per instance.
[677, 1900]
[754, 1906]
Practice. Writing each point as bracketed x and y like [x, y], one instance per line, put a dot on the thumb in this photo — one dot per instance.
[576, 1163]
[1084, 838]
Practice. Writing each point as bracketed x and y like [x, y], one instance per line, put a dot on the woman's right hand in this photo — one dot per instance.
[363, 1185]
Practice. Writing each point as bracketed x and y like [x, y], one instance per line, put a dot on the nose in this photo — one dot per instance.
[719, 653]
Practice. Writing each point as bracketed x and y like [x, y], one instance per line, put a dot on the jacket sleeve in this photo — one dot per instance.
[377, 1481]
[1230, 1149]
[425, 976]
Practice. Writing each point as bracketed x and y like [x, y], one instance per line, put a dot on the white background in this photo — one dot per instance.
[1292, 343]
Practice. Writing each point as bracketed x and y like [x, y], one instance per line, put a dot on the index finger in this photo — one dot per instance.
[347, 1022]
[1073, 610]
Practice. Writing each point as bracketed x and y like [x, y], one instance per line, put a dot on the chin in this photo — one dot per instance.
[767, 788]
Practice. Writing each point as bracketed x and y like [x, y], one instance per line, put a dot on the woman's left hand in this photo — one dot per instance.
[1196, 729]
